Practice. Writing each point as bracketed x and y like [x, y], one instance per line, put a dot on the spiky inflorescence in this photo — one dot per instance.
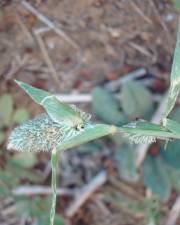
[40, 134]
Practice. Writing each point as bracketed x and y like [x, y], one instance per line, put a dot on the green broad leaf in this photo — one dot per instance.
[172, 154]
[19, 173]
[44, 220]
[2, 137]
[172, 125]
[174, 176]
[136, 100]
[175, 77]
[38, 208]
[177, 4]
[4, 192]
[6, 108]
[33, 207]
[125, 158]
[156, 177]
[58, 111]
[20, 115]
[106, 107]
[25, 160]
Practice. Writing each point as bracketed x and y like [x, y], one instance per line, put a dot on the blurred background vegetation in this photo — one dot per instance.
[112, 59]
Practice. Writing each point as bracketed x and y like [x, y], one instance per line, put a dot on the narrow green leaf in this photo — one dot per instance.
[89, 134]
[58, 111]
[171, 153]
[175, 77]
[6, 108]
[142, 131]
[36, 94]
[61, 112]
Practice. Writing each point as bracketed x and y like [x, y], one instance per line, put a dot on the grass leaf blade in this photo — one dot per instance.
[175, 77]
[92, 133]
[35, 93]
[58, 111]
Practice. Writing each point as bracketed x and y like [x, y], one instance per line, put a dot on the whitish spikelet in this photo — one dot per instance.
[85, 116]
[39, 134]
[140, 139]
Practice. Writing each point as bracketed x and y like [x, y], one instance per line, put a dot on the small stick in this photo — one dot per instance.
[16, 68]
[86, 193]
[49, 23]
[24, 28]
[56, 29]
[140, 12]
[48, 60]
[40, 190]
[101, 205]
[140, 49]
[163, 24]
[87, 98]
[73, 98]
[126, 189]
[114, 85]
[174, 213]
[42, 30]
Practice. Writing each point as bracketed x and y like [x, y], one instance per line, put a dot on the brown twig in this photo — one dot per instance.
[86, 193]
[16, 68]
[163, 24]
[48, 60]
[142, 50]
[24, 28]
[50, 24]
[174, 213]
[140, 12]
[126, 189]
[114, 85]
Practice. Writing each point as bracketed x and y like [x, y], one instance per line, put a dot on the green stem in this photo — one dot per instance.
[54, 163]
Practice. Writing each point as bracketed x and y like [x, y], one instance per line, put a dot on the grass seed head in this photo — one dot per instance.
[39, 134]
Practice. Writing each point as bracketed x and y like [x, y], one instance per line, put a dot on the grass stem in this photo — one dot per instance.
[54, 164]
